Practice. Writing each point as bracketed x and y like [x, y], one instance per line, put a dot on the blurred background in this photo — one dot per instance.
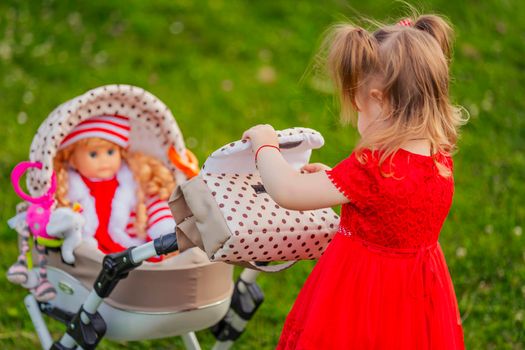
[223, 66]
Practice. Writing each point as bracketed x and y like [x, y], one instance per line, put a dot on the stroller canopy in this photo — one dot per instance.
[153, 128]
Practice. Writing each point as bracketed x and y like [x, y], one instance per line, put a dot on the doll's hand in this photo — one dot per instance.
[63, 221]
[66, 224]
[90, 241]
[259, 135]
[314, 168]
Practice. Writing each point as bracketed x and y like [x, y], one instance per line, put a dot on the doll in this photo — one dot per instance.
[123, 194]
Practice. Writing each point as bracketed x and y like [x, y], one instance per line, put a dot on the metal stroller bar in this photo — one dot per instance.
[38, 322]
[87, 328]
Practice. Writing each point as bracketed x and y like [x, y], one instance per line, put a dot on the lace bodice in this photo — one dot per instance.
[405, 210]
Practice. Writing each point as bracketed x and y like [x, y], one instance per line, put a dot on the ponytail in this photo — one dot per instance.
[439, 29]
[352, 56]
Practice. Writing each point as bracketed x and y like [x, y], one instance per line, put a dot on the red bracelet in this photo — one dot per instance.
[261, 147]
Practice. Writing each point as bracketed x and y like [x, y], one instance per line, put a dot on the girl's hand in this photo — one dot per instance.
[314, 168]
[259, 135]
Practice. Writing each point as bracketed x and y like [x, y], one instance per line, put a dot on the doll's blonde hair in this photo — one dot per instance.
[152, 177]
[411, 64]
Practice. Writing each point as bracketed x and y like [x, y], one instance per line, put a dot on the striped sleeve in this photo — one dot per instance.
[130, 228]
[160, 220]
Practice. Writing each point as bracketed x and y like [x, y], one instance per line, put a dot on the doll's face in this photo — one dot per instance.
[97, 160]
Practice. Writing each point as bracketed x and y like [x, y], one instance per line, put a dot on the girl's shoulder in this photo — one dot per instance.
[373, 159]
[364, 172]
[369, 164]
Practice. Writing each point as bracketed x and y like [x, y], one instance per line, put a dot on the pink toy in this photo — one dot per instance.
[35, 222]
[40, 209]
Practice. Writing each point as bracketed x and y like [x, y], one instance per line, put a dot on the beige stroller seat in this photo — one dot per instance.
[182, 294]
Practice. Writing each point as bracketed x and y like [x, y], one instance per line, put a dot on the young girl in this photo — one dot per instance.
[383, 282]
[123, 194]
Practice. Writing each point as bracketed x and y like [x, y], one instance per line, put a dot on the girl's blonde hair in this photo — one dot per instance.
[152, 177]
[411, 64]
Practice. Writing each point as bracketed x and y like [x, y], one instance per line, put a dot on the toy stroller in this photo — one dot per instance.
[91, 293]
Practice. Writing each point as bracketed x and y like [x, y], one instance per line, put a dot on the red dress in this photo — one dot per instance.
[103, 191]
[383, 282]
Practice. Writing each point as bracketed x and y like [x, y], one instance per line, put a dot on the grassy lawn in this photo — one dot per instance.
[223, 66]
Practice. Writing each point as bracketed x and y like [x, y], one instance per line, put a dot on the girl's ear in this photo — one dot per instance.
[377, 95]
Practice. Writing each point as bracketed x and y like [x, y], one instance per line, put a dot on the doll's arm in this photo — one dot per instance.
[160, 220]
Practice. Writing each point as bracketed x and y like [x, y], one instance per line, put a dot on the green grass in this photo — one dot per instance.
[204, 60]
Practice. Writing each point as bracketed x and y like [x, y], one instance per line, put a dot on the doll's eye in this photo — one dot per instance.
[93, 154]
[111, 152]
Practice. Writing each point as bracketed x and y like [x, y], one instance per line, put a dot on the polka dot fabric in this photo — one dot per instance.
[260, 229]
[153, 127]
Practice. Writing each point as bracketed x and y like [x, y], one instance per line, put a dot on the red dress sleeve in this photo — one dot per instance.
[353, 178]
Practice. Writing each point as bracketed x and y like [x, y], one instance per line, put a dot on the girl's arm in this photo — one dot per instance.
[289, 188]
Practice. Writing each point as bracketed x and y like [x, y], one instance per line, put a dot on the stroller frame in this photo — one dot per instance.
[86, 328]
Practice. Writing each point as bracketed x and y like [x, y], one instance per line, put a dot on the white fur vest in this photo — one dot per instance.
[123, 204]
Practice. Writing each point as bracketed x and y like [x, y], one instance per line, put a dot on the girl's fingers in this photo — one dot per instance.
[260, 134]
[314, 167]
[248, 133]
[309, 168]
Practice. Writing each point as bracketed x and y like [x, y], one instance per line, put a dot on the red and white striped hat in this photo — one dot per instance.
[114, 128]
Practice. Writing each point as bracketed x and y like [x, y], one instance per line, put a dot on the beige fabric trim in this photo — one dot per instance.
[179, 207]
[188, 236]
[208, 217]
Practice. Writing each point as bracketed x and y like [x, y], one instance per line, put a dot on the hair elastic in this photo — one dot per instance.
[407, 22]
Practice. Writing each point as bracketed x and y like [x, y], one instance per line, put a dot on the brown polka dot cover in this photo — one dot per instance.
[255, 227]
